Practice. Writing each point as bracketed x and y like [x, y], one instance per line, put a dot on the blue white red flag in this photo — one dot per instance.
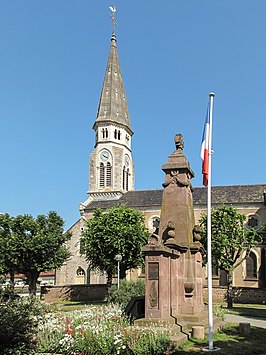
[205, 149]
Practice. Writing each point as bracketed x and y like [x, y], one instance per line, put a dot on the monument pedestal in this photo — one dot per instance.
[173, 284]
[159, 265]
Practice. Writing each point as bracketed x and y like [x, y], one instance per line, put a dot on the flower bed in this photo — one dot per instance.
[97, 330]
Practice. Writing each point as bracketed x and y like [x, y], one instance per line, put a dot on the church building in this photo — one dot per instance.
[111, 180]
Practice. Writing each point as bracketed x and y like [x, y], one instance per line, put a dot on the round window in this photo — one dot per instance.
[254, 221]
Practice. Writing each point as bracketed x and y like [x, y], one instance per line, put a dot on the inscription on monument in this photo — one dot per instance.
[153, 271]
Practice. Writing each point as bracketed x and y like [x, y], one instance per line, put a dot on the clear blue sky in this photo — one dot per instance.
[172, 54]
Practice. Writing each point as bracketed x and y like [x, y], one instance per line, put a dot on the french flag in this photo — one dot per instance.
[204, 153]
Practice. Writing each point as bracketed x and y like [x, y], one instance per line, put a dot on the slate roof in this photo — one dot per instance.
[235, 194]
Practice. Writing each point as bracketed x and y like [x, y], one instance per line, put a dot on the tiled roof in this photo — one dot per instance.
[236, 194]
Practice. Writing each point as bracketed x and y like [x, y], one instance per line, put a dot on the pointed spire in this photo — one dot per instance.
[113, 103]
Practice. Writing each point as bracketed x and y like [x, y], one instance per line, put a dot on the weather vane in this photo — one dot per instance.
[114, 23]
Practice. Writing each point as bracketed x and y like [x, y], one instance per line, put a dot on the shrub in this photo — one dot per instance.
[126, 291]
[18, 325]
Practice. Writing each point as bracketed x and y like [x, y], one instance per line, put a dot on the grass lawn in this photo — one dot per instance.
[253, 310]
[229, 339]
[230, 342]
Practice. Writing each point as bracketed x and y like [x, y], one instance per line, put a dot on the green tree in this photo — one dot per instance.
[9, 256]
[231, 241]
[119, 230]
[32, 245]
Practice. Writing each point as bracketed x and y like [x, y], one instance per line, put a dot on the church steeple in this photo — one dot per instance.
[113, 107]
[111, 163]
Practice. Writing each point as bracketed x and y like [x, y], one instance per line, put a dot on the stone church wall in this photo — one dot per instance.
[67, 274]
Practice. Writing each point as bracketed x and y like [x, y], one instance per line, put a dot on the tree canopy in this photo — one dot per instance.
[119, 230]
[32, 245]
[231, 240]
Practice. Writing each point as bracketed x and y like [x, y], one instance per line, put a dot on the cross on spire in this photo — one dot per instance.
[114, 23]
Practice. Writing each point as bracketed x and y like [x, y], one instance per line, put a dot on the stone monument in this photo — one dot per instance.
[173, 257]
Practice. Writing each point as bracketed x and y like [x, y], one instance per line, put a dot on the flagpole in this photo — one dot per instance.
[209, 262]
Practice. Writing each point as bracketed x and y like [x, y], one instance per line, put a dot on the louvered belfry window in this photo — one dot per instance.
[102, 175]
[105, 175]
[109, 175]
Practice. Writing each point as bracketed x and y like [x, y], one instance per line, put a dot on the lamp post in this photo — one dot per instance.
[118, 258]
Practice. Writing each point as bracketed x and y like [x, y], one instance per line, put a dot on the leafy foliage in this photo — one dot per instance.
[231, 241]
[31, 246]
[18, 326]
[119, 230]
[126, 291]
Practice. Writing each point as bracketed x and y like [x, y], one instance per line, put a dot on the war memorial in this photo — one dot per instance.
[173, 255]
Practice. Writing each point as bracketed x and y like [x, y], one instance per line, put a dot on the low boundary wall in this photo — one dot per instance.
[97, 293]
[240, 294]
[89, 293]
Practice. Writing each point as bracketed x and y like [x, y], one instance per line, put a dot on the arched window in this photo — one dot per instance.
[119, 135]
[115, 133]
[109, 175]
[80, 276]
[124, 178]
[127, 178]
[104, 132]
[102, 177]
[251, 265]
[105, 175]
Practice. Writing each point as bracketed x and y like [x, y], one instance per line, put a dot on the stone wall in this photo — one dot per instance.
[97, 293]
[89, 293]
[241, 295]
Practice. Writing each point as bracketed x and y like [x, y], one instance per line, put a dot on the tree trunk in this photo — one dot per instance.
[109, 278]
[230, 289]
[12, 284]
[122, 271]
[32, 280]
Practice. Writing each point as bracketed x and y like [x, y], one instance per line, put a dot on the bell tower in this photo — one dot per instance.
[111, 163]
